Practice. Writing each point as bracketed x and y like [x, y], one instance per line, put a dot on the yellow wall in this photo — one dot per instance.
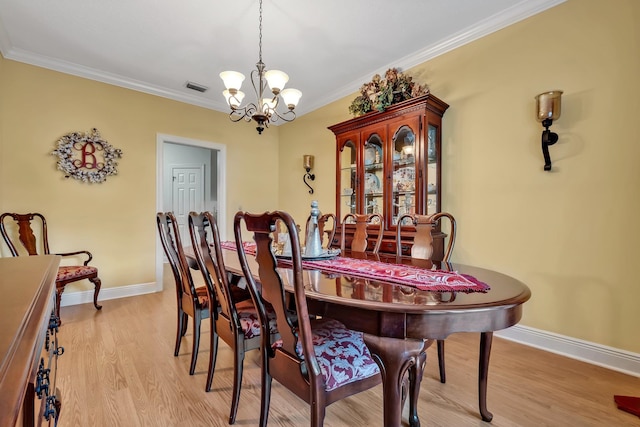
[571, 234]
[115, 220]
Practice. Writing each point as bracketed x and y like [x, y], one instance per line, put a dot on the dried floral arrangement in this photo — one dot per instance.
[79, 156]
[380, 92]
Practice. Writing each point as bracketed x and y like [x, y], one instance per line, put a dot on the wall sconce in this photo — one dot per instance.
[307, 164]
[548, 108]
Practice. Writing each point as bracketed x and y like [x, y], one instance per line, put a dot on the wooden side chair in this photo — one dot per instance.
[236, 319]
[191, 301]
[28, 239]
[319, 360]
[322, 228]
[360, 240]
[422, 248]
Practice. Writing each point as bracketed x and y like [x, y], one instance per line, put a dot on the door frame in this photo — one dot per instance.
[221, 174]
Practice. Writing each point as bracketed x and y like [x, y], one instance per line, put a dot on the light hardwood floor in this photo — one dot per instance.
[118, 369]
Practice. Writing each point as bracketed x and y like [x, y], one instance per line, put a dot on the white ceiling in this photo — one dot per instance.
[329, 48]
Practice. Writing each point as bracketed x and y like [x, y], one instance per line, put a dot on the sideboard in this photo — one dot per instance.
[28, 341]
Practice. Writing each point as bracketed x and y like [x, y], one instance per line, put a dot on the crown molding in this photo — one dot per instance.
[518, 12]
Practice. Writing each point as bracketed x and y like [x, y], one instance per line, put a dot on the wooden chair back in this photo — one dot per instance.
[26, 235]
[293, 361]
[190, 302]
[226, 320]
[172, 245]
[360, 240]
[422, 247]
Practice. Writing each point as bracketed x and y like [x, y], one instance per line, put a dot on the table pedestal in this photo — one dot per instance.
[395, 357]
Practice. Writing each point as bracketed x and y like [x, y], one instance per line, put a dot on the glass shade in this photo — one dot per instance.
[307, 161]
[291, 97]
[548, 105]
[233, 100]
[232, 79]
[276, 80]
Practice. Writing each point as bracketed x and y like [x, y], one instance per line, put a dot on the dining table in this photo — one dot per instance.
[382, 296]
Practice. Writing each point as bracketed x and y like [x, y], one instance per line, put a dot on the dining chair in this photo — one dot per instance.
[360, 240]
[322, 228]
[191, 301]
[29, 240]
[319, 359]
[422, 248]
[236, 319]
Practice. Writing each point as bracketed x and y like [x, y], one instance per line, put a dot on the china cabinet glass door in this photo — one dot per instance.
[374, 182]
[432, 170]
[348, 179]
[404, 178]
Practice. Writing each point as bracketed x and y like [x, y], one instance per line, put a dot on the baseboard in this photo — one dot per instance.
[596, 354]
[83, 297]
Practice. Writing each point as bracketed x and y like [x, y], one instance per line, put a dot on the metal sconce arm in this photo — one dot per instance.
[548, 138]
[310, 176]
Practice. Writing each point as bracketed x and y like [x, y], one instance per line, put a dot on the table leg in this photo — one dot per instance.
[394, 356]
[486, 339]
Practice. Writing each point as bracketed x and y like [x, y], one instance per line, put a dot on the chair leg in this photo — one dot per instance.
[213, 356]
[182, 325]
[196, 342]
[318, 410]
[443, 377]
[265, 397]
[185, 323]
[97, 284]
[238, 365]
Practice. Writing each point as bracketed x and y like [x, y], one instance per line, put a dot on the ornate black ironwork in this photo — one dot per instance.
[548, 138]
[311, 177]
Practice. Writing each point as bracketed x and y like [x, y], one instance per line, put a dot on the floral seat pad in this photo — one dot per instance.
[75, 272]
[341, 353]
[250, 322]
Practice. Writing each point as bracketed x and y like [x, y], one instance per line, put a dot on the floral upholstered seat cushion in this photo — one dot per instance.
[72, 272]
[250, 322]
[341, 353]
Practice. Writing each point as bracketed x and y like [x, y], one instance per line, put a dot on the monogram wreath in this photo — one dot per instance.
[78, 154]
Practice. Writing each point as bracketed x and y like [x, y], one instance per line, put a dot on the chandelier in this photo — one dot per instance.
[264, 110]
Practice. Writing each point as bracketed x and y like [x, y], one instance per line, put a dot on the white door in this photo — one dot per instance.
[188, 195]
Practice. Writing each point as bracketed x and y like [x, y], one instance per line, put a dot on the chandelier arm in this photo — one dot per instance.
[284, 116]
[259, 91]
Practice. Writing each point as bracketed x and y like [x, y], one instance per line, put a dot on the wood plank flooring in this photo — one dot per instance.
[118, 369]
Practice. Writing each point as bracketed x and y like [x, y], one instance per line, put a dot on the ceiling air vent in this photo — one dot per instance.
[197, 87]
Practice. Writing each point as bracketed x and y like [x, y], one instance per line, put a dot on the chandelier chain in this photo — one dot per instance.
[260, 35]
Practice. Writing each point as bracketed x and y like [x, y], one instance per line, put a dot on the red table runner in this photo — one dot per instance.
[401, 274]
